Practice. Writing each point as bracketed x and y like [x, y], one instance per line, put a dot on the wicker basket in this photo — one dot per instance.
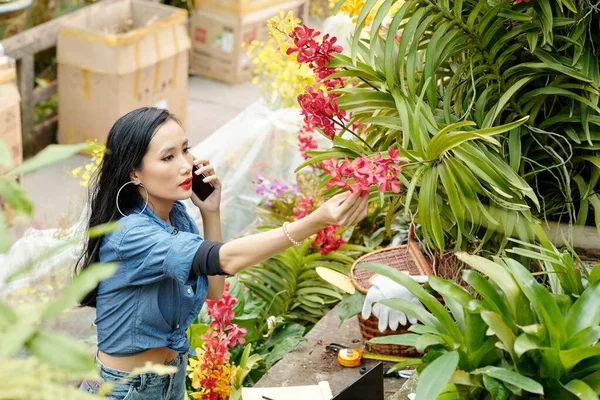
[406, 258]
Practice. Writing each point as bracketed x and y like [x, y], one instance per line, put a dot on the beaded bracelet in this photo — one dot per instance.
[288, 234]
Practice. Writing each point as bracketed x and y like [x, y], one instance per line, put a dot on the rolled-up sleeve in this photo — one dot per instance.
[150, 255]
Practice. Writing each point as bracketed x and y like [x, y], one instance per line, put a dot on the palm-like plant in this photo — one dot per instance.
[494, 105]
[514, 340]
[291, 286]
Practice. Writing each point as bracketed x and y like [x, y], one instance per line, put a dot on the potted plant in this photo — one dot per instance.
[492, 106]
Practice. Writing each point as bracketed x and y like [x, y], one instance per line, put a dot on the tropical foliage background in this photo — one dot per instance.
[493, 105]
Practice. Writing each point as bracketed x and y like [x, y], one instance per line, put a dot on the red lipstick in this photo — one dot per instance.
[187, 184]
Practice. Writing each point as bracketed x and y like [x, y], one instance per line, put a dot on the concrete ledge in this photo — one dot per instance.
[311, 363]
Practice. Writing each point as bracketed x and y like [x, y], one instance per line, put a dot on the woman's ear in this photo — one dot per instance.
[134, 177]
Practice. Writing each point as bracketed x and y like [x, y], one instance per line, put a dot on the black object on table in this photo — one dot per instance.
[368, 386]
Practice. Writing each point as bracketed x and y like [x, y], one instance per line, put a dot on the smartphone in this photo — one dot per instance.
[200, 188]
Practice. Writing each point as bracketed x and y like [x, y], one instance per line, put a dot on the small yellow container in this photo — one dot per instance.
[350, 357]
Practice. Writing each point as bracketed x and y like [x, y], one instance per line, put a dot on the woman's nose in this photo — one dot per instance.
[186, 167]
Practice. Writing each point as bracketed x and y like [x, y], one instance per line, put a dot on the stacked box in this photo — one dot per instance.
[10, 110]
[132, 54]
[217, 38]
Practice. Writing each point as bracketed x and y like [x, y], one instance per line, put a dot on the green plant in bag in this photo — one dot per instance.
[511, 337]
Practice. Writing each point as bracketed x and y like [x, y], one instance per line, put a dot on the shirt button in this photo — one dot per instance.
[177, 326]
[174, 231]
[189, 291]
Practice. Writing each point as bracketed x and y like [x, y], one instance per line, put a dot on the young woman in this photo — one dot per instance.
[166, 269]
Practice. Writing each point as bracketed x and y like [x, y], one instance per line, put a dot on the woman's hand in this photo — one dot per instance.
[344, 209]
[212, 203]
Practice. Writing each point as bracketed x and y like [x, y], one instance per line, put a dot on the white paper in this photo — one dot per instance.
[322, 391]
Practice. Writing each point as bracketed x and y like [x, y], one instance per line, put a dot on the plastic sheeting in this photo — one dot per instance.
[257, 141]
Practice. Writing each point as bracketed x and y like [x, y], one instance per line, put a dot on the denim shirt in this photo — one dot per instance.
[152, 298]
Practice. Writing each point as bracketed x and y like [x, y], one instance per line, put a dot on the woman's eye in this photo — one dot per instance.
[185, 150]
[167, 158]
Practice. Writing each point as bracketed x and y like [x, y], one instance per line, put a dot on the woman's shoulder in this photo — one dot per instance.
[129, 223]
[136, 220]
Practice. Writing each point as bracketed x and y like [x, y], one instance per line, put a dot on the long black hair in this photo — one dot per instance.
[126, 146]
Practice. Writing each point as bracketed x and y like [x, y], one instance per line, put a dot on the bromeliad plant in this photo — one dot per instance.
[513, 338]
[494, 105]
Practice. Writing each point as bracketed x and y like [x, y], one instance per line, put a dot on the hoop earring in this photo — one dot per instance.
[119, 192]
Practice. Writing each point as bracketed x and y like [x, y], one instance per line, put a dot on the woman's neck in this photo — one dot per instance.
[161, 207]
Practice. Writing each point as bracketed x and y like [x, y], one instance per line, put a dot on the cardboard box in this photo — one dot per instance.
[236, 7]
[217, 40]
[102, 76]
[10, 114]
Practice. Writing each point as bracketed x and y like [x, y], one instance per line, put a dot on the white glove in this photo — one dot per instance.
[384, 288]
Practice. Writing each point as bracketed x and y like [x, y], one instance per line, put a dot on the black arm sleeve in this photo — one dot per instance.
[206, 261]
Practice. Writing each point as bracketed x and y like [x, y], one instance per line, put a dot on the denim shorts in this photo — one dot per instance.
[148, 386]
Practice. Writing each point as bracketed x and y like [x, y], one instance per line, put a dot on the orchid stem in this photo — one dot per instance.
[352, 132]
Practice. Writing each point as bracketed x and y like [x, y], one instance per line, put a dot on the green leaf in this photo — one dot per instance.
[78, 288]
[434, 378]
[103, 229]
[546, 20]
[585, 312]
[6, 156]
[406, 339]
[532, 39]
[50, 155]
[19, 332]
[282, 348]
[556, 91]
[412, 186]
[572, 357]
[328, 155]
[526, 342]
[512, 378]
[414, 310]
[426, 340]
[454, 200]
[594, 277]
[427, 299]
[350, 305]
[581, 390]
[502, 331]
[548, 66]
[504, 99]
[496, 388]
[541, 301]
[362, 16]
[14, 194]
[593, 380]
[282, 332]
[194, 332]
[514, 149]
[318, 290]
[390, 44]
[61, 351]
[499, 276]
[585, 337]
[429, 211]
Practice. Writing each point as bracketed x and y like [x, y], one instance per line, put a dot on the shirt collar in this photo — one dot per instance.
[173, 216]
